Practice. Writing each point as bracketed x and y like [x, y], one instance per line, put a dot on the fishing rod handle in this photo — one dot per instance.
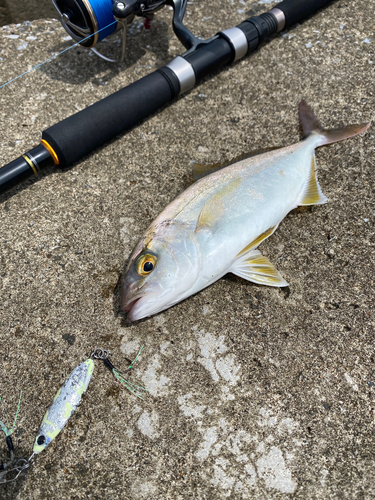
[78, 135]
[296, 10]
[85, 131]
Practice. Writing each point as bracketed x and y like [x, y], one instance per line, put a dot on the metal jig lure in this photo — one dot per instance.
[64, 404]
[69, 396]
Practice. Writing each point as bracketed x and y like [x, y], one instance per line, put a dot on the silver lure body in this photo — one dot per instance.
[64, 404]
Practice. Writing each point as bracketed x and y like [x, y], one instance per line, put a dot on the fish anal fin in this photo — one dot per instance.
[253, 266]
[210, 213]
[312, 194]
[258, 240]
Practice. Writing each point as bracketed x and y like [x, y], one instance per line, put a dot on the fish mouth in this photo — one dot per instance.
[133, 308]
[136, 308]
[127, 307]
[130, 308]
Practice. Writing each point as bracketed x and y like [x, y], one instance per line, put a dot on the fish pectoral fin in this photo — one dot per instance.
[210, 213]
[312, 194]
[253, 266]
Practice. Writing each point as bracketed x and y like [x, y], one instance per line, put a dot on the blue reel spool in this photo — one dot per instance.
[87, 21]
[102, 10]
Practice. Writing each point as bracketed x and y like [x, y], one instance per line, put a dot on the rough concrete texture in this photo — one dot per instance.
[24, 10]
[255, 392]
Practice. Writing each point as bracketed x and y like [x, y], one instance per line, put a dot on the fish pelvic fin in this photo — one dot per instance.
[312, 194]
[311, 125]
[253, 266]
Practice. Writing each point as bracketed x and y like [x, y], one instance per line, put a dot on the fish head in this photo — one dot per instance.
[161, 271]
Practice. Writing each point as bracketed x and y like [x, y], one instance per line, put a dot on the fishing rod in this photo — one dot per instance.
[71, 139]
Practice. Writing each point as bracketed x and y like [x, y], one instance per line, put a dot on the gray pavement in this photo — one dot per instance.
[255, 392]
[25, 10]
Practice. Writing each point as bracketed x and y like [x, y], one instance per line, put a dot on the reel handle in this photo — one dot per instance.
[142, 8]
[122, 9]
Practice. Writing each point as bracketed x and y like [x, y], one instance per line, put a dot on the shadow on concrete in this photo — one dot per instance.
[79, 65]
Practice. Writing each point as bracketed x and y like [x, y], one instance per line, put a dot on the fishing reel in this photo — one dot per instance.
[91, 21]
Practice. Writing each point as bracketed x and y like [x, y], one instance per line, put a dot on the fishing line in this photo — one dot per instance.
[56, 55]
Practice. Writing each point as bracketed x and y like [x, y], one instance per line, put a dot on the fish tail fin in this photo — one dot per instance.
[311, 124]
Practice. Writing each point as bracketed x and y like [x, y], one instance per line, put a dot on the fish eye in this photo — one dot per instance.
[145, 264]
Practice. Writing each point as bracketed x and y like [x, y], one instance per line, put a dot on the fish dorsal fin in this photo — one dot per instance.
[200, 170]
[258, 240]
[312, 194]
[253, 266]
[211, 212]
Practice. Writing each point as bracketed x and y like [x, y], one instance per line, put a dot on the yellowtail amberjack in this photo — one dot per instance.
[216, 225]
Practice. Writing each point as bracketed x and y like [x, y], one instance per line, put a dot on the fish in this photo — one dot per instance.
[64, 404]
[216, 225]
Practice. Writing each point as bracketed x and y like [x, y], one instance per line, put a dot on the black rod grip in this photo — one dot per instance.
[296, 10]
[81, 133]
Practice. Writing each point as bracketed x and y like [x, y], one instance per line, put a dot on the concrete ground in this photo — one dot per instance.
[255, 392]
[25, 10]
